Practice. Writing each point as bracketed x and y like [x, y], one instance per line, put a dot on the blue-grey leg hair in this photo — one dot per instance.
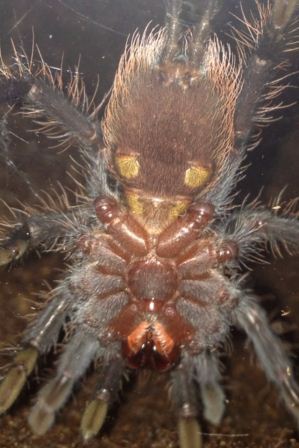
[39, 338]
[47, 231]
[183, 394]
[207, 374]
[73, 363]
[174, 29]
[270, 352]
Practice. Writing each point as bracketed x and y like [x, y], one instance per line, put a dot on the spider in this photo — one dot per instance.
[155, 242]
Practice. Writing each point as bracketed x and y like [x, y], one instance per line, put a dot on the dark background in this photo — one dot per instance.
[96, 31]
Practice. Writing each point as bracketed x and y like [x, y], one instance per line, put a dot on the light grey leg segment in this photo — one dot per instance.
[39, 338]
[173, 27]
[44, 331]
[184, 396]
[73, 363]
[208, 376]
[270, 352]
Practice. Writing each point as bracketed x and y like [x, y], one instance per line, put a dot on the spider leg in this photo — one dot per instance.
[207, 374]
[15, 244]
[174, 29]
[265, 39]
[251, 229]
[45, 229]
[38, 339]
[106, 393]
[201, 34]
[79, 352]
[203, 30]
[40, 96]
[184, 396]
[270, 352]
[59, 107]
[263, 43]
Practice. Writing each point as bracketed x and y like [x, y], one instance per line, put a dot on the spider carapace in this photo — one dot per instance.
[155, 280]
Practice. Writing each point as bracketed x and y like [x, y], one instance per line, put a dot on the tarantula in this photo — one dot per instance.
[154, 240]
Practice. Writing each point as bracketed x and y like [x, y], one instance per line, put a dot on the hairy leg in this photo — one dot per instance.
[109, 384]
[207, 374]
[59, 107]
[38, 339]
[183, 394]
[45, 230]
[270, 352]
[39, 90]
[253, 228]
[174, 29]
[261, 47]
[78, 353]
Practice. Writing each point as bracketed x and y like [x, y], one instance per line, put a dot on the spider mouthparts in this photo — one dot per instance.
[189, 433]
[93, 418]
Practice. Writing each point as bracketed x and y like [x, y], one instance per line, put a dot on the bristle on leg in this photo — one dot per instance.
[78, 354]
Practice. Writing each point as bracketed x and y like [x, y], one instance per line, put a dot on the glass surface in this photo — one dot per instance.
[95, 32]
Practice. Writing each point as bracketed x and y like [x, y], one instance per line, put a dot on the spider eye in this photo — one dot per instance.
[127, 166]
[196, 176]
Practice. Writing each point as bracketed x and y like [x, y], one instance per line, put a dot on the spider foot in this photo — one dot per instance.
[16, 378]
[107, 390]
[15, 245]
[93, 418]
[189, 432]
[51, 398]
[213, 400]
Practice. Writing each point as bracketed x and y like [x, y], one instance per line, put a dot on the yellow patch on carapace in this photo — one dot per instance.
[196, 176]
[127, 165]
